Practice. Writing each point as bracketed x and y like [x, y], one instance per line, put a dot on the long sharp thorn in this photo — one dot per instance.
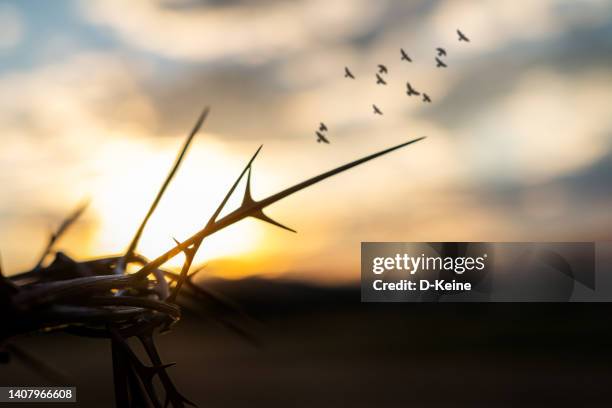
[189, 255]
[145, 374]
[260, 215]
[177, 163]
[307, 183]
[213, 218]
[256, 208]
[55, 236]
[190, 252]
[248, 198]
[248, 201]
[244, 212]
[172, 394]
[138, 393]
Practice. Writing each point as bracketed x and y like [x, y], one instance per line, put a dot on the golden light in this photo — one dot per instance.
[131, 170]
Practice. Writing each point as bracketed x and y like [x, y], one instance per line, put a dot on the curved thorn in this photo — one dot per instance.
[260, 215]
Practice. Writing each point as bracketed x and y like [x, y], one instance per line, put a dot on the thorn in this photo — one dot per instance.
[248, 201]
[55, 235]
[144, 373]
[193, 274]
[260, 215]
[172, 394]
[300, 186]
[162, 190]
[248, 198]
[213, 218]
[189, 251]
[203, 116]
[215, 225]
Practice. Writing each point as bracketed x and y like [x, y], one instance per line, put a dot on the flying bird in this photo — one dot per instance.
[440, 63]
[441, 52]
[379, 80]
[348, 74]
[382, 69]
[322, 127]
[462, 36]
[426, 98]
[405, 56]
[376, 110]
[321, 138]
[410, 90]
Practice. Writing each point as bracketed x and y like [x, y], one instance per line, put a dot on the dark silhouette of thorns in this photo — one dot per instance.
[60, 231]
[99, 298]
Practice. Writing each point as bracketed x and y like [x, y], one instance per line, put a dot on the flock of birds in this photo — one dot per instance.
[380, 80]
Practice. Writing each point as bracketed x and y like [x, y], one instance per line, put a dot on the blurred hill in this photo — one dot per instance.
[319, 346]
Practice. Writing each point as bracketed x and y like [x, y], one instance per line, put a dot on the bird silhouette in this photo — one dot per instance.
[426, 98]
[441, 52]
[382, 69]
[462, 36]
[321, 138]
[410, 90]
[348, 74]
[440, 63]
[405, 56]
[379, 80]
[322, 127]
[376, 110]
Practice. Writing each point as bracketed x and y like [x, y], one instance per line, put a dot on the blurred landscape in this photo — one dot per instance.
[321, 347]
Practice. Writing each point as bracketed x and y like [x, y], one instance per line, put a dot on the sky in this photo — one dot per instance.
[96, 98]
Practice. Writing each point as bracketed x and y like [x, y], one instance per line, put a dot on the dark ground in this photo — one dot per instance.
[322, 347]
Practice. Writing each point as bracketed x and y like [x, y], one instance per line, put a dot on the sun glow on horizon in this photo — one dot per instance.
[124, 191]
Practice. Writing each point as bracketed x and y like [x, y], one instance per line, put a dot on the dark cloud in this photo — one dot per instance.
[244, 101]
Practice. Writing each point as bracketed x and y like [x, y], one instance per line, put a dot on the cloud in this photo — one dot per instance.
[504, 116]
[493, 24]
[242, 31]
[12, 27]
[548, 125]
[81, 128]
[52, 116]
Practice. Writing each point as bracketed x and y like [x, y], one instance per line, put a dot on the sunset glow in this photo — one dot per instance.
[95, 105]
